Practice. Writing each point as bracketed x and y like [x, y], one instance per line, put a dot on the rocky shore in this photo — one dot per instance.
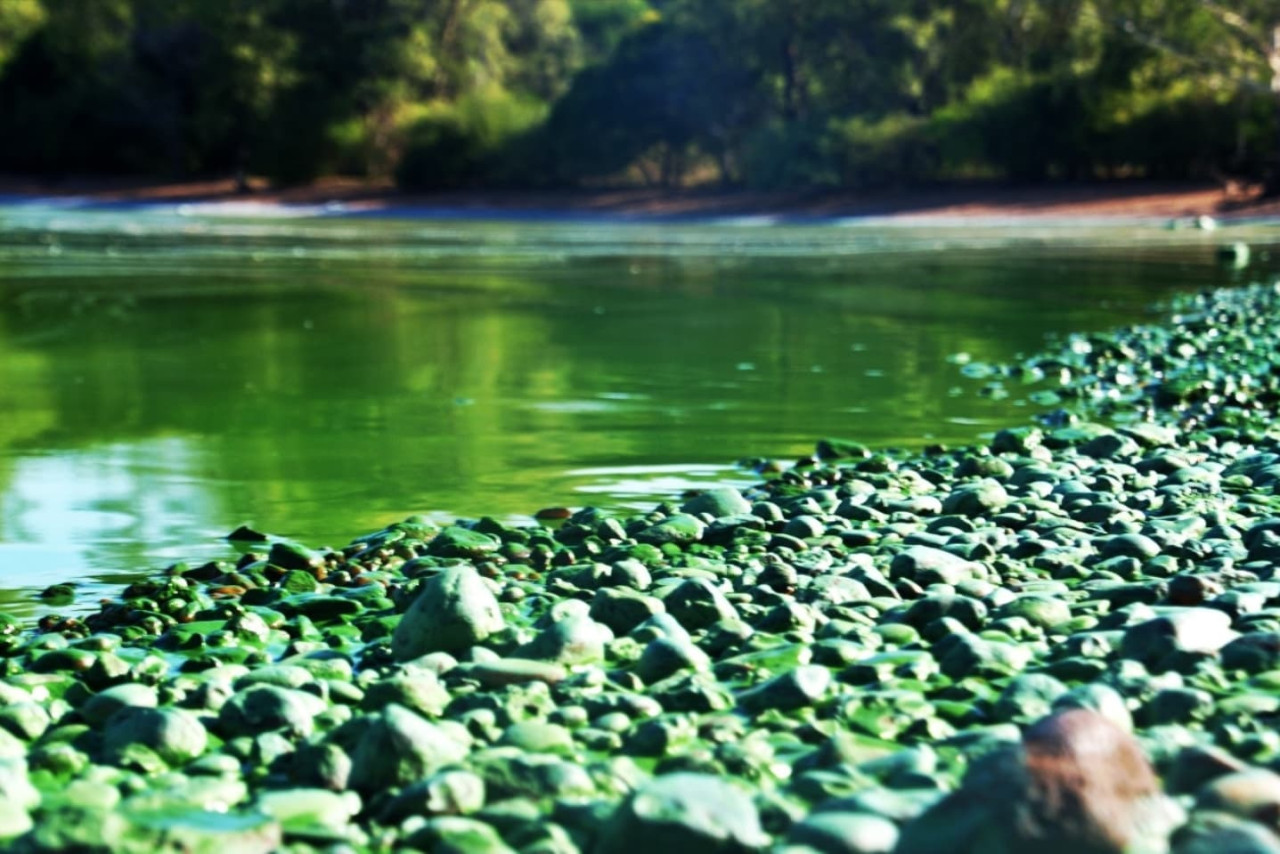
[1065, 640]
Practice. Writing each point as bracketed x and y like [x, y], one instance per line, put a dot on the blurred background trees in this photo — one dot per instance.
[759, 93]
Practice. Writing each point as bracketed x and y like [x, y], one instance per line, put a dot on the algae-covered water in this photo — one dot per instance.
[166, 377]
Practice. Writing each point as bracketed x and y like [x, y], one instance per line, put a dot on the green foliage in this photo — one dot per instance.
[464, 143]
[766, 93]
[18, 20]
[896, 150]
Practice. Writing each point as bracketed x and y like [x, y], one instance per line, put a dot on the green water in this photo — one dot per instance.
[165, 378]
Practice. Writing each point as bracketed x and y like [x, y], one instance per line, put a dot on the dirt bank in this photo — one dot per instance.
[1129, 200]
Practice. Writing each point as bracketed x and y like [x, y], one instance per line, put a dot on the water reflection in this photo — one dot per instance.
[159, 394]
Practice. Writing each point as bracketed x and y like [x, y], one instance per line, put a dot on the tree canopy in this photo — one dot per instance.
[767, 93]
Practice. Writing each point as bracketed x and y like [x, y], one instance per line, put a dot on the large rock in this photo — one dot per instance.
[684, 814]
[719, 502]
[574, 639]
[399, 747]
[1184, 630]
[98, 708]
[175, 735]
[927, 565]
[455, 610]
[845, 833]
[266, 708]
[1077, 785]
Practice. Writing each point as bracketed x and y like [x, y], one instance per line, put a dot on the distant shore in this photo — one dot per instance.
[1117, 200]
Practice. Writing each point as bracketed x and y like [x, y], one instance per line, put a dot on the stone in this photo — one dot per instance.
[455, 610]
[622, 609]
[309, 810]
[984, 497]
[681, 530]
[269, 708]
[538, 737]
[448, 792]
[928, 565]
[1028, 696]
[399, 747]
[664, 656]
[418, 690]
[514, 671]
[797, 688]
[717, 502]
[844, 833]
[684, 813]
[175, 735]
[1182, 630]
[1251, 794]
[458, 835]
[697, 604]
[572, 640]
[1041, 610]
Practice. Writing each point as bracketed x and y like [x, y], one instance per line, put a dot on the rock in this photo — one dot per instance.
[622, 609]
[575, 639]
[457, 541]
[292, 556]
[680, 530]
[717, 502]
[457, 835]
[298, 581]
[175, 735]
[1216, 833]
[969, 655]
[697, 604]
[1252, 794]
[325, 766]
[305, 811]
[1184, 630]
[15, 785]
[514, 671]
[1197, 765]
[14, 821]
[1043, 611]
[1077, 784]
[977, 499]
[509, 772]
[27, 721]
[927, 565]
[664, 656]
[1129, 545]
[267, 708]
[418, 690]
[538, 737]
[802, 686]
[450, 792]
[1101, 698]
[1253, 652]
[1028, 696]
[969, 612]
[455, 610]
[399, 747]
[684, 813]
[844, 833]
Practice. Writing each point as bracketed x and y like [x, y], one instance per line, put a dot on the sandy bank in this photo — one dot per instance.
[1129, 201]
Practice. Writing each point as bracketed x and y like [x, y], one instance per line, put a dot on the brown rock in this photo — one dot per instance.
[1077, 784]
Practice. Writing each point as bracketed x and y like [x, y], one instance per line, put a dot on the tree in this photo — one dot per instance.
[18, 20]
[1234, 47]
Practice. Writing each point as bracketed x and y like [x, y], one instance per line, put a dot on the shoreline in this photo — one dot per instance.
[1131, 202]
[824, 660]
[816, 660]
